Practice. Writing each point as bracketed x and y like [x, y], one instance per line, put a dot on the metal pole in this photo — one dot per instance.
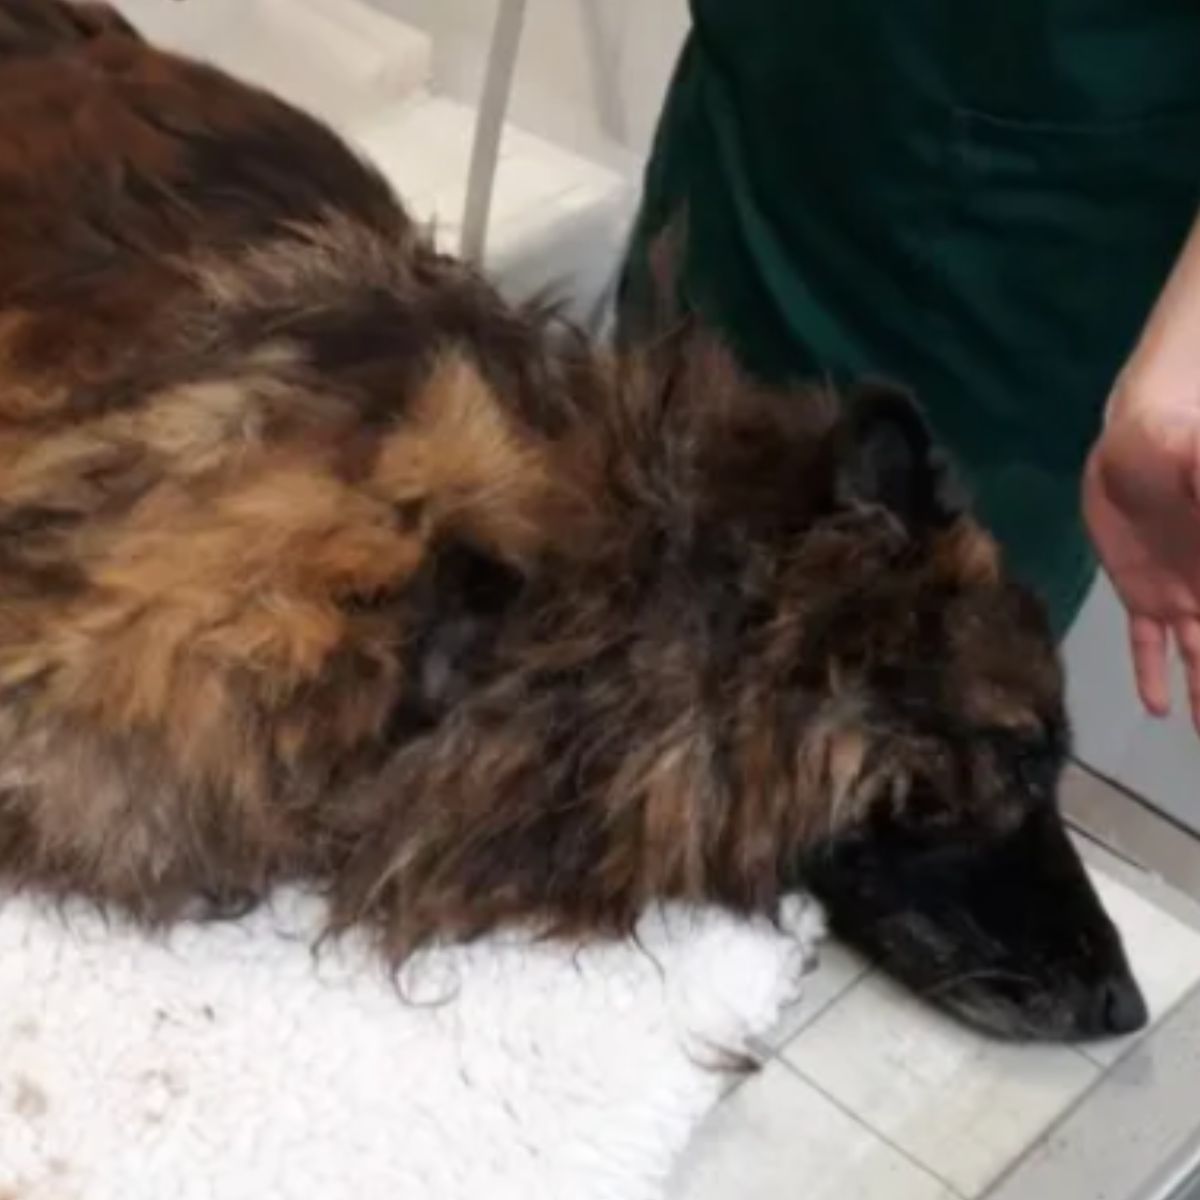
[489, 127]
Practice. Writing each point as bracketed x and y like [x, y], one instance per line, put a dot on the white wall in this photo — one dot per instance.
[592, 73]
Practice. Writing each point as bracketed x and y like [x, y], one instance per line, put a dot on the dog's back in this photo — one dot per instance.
[116, 162]
[241, 399]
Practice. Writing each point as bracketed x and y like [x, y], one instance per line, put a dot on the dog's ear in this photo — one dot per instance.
[889, 458]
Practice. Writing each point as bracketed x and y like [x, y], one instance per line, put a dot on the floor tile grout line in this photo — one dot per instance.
[1096, 838]
[1099, 1071]
[858, 1120]
[1158, 887]
[820, 1011]
[1107, 1065]
[1043, 1135]
[1129, 793]
[1138, 815]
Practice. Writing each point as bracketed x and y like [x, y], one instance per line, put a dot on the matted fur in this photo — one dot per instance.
[318, 561]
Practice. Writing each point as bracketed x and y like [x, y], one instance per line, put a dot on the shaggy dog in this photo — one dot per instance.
[320, 562]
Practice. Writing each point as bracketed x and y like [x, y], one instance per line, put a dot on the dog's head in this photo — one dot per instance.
[944, 746]
[913, 691]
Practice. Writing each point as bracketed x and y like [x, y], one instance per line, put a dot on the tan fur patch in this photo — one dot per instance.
[317, 258]
[845, 755]
[994, 706]
[197, 590]
[968, 555]
[199, 426]
[461, 462]
[831, 760]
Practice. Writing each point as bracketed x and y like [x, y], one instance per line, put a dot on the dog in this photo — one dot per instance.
[319, 562]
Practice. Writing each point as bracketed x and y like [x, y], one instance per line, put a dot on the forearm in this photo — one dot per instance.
[1166, 361]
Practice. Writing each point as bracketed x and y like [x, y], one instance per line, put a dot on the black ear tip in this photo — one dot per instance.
[893, 457]
[876, 404]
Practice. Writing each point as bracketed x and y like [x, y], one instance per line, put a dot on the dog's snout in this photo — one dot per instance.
[1115, 1008]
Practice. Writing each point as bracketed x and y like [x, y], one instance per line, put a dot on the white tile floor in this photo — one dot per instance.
[873, 1095]
[961, 1106]
[779, 1136]
[1162, 952]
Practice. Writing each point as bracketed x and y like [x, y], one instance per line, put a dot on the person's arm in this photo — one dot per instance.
[1142, 487]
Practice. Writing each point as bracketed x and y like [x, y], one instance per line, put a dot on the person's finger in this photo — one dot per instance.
[1187, 635]
[1148, 643]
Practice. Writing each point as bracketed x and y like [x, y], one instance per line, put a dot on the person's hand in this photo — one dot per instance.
[1141, 501]
[1141, 491]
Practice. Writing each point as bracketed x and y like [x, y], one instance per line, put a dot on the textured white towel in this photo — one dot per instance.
[229, 1063]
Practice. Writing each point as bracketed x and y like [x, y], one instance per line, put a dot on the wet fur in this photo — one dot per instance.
[319, 562]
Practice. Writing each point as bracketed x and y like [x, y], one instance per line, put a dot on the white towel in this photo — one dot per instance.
[226, 1062]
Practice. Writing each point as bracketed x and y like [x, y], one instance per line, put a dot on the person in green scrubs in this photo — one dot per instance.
[984, 201]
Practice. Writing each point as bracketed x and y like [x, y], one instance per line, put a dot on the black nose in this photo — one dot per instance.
[1114, 1008]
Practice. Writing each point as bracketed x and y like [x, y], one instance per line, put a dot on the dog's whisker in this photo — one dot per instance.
[983, 975]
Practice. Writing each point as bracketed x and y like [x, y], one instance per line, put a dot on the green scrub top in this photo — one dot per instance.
[978, 198]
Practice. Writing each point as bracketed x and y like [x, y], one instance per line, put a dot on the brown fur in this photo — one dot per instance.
[319, 562]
